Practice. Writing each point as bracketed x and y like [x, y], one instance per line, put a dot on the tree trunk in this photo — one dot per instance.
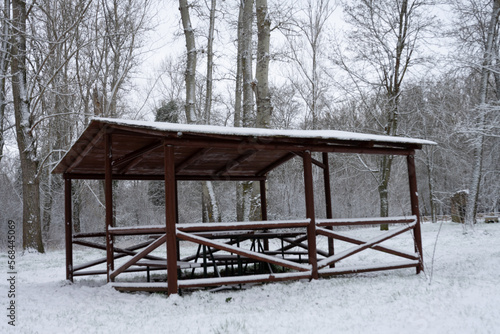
[32, 232]
[210, 63]
[264, 108]
[190, 74]
[245, 110]
[246, 61]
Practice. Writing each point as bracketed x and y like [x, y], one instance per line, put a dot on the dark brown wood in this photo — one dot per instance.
[108, 195]
[331, 234]
[311, 229]
[192, 159]
[68, 228]
[142, 254]
[238, 226]
[278, 146]
[87, 150]
[236, 162]
[275, 164]
[132, 158]
[412, 175]
[342, 255]
[366, 221]
[328, 200]
[243, 252]
[263, 208]
[367, 269]
[170, 217]
[162, 177]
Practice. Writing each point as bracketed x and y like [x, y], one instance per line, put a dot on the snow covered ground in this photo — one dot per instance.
[463, 296]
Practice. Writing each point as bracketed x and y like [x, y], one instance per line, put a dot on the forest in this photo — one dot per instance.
[416, 68]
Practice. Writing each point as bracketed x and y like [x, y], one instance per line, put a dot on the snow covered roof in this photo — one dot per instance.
[210, 152]
[260, 132]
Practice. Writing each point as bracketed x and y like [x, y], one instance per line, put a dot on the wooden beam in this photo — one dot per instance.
[68, 228]
[311, 229]
[366, 221]
[108, 196]
[132, 158]
[243, 252]
[155, 244]
[314, 161]
[369, 268]
[389, 250]
[236, 162]
[342, 255]
[87, 149]
[191, 159]
[275, 164]
[393, 149]
[412, 176]
[328, 200]
[161, 177]
[170, 217]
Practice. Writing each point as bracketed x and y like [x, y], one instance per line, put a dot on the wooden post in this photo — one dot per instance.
[68, 228]
[328, 201]
[170, 218]
[263, 208]
[311, 229]
[414, 208]
[108, 195]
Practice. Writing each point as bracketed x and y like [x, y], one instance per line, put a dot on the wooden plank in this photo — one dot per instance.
[342, 255]
[132, 158]
[369, 268]
[275, 164]
[138, 230]
[242, 252]
[254, 225]
[191, 159]
[365, 221]
[86, 151]
[155, 244]
[392, 251]
[246, 279]
[236, 162]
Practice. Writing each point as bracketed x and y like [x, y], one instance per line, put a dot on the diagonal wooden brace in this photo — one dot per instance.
[342, 255]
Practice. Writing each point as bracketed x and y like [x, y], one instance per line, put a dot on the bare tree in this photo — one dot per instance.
[306, 49]
[384, 45]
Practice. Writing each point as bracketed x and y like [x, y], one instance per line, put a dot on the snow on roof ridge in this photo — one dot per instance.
[262, 132]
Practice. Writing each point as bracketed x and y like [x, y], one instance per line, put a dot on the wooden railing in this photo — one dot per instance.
[227, 238]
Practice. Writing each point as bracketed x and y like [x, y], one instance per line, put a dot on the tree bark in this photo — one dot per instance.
[190, 74]
[264, 108]
[32, 232]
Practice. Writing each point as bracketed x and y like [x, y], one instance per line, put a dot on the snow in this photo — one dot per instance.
[462, 297]
[260, 132]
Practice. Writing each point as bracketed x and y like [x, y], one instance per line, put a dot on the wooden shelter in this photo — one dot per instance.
[116, 149]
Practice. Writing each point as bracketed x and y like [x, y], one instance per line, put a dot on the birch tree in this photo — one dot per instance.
[190, 73]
